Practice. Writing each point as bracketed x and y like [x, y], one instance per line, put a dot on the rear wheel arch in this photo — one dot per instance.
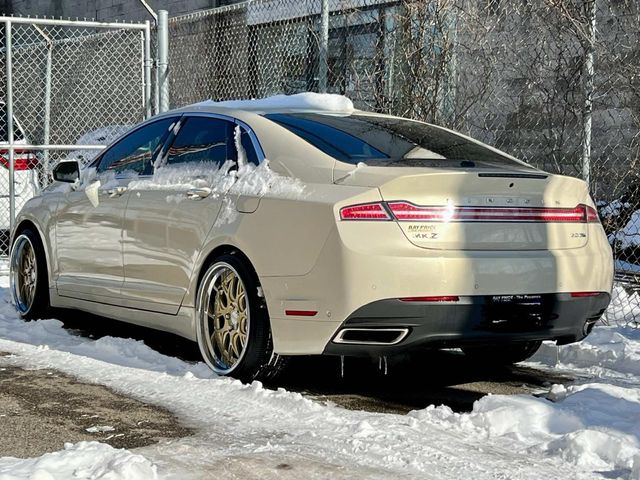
[210, 258]
[225, 249]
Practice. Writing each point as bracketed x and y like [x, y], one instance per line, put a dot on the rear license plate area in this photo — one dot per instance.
[515, 313]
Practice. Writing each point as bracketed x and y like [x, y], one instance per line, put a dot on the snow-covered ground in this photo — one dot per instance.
[590, 429]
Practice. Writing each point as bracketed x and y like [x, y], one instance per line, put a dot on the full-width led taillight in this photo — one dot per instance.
[22, 159]
[406, 211]
[365, 211]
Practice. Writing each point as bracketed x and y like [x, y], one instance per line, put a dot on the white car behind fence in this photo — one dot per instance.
[27, 175]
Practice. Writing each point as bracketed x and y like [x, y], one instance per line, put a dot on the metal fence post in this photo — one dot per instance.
[9, 108]
[147, 69]
[163, 59]
[323, 47]
[47, 105]
[587, 112]
[47, 96]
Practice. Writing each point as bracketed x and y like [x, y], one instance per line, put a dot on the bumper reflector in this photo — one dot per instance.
[584, 294]
[301, 313]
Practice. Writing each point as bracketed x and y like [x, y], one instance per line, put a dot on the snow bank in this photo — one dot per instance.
[578, 431]
[624, 307]
[629, 236]
[596, 426]
[237, 421]
[626, 267]
[612, 348]
[83, 460]
[325, 102]
[612, 209]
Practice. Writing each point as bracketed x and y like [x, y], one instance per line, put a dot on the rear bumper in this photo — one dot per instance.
[473, 320]
[354, 272]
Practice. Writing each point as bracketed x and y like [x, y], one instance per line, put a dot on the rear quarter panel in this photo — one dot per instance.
[284, 236]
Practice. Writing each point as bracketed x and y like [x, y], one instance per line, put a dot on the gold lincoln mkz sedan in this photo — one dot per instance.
[263, 232]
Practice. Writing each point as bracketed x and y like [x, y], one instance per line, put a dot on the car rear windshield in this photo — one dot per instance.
[378, 140]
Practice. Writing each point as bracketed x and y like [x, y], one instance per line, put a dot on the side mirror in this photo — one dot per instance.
[68, 172]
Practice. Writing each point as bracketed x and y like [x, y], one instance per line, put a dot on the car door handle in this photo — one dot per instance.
[116, 192]
[196, 193]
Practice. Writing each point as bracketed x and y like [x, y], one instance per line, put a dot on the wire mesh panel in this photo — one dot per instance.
[243, 51]
[71, 83]
[553, 82]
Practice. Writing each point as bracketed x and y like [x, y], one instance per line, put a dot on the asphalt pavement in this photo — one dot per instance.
[42, 409]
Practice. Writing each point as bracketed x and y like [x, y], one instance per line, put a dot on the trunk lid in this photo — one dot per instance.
[486, 210]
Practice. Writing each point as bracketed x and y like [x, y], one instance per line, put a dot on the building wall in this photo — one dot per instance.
[103, 10]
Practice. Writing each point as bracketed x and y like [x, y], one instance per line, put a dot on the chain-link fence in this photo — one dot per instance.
[553, 82]
[535, 78]
[66, 83]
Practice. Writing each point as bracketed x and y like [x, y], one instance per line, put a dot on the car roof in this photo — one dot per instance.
[251, 115]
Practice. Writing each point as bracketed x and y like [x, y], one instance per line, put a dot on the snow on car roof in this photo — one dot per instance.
[307, 101]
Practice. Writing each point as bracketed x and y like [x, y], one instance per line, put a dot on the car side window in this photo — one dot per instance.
[247, 145]
[135, 152]
[203, 139]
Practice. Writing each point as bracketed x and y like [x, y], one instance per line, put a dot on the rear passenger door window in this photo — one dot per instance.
[203, 139]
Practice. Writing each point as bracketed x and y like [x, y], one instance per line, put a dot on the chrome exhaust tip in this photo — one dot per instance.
[371, 336]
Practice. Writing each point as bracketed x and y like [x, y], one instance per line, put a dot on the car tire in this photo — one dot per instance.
[29, 279]
[503, 354]
[233, 327]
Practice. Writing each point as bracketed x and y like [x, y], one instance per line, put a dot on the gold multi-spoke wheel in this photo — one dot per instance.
[227, 325]
[27, 287]
[233, 329]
